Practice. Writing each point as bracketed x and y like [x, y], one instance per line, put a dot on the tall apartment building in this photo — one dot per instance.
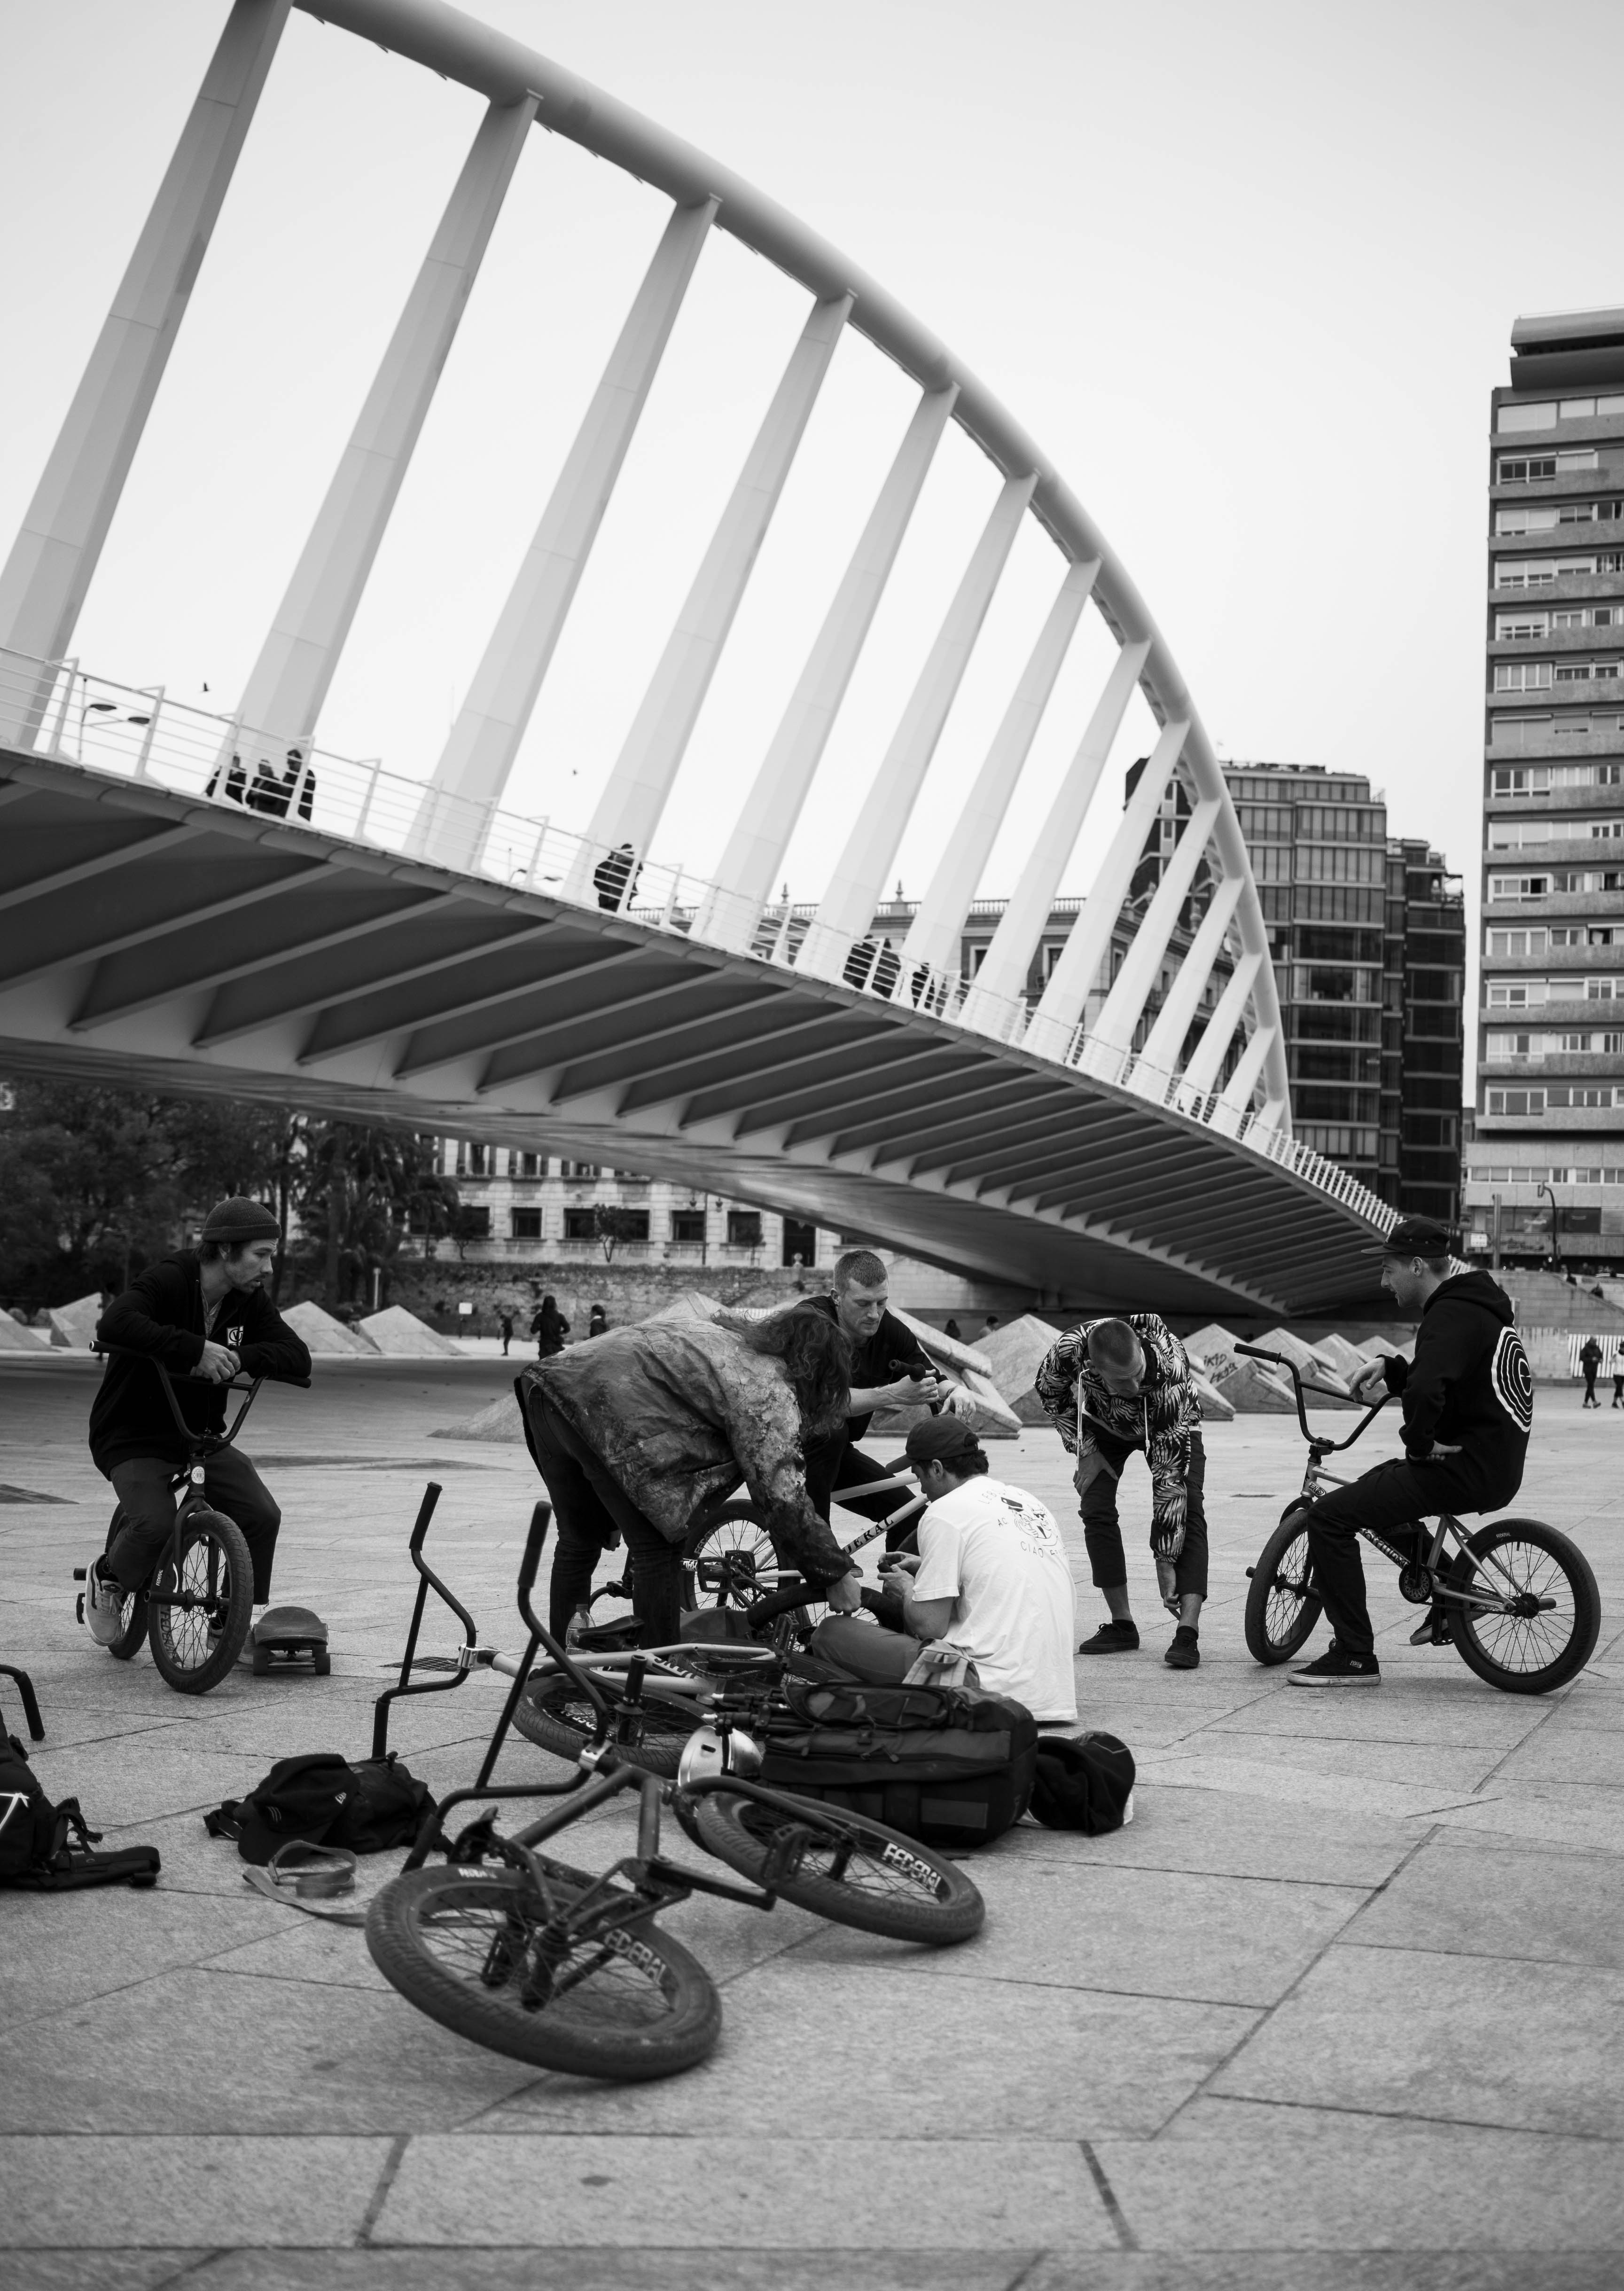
[1368, 937]
[1550, 1119]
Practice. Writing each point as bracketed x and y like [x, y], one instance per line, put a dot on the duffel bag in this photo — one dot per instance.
[960, 1780]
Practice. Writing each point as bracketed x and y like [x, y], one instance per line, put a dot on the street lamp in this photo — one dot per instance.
[1555, 1240]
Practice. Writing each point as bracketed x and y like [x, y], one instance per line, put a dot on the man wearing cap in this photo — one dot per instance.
[991, 1576]
[1111, 1387]
[203, 1313]
[1468, 1406]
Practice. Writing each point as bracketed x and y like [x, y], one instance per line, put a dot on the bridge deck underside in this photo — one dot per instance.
[146, 936]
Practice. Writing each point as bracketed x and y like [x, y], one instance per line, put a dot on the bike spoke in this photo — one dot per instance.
[602, 1982]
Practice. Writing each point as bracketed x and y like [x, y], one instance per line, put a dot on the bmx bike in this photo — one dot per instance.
[1516, 1599]
[195, 1605]
[549, 1964]
[729, 1559]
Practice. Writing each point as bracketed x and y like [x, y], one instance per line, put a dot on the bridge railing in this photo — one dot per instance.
[140, 733]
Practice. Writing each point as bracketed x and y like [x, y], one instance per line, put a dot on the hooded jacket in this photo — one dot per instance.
[162, 1313]
[677, 1410]
[1161, 1417]
[1468, 1386]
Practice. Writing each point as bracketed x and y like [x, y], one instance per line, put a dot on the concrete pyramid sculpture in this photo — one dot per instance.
[74, 1325]
[327, 1338]
[398, 1331]
[497, 1424]
[1016, 1352]
[14, 1337]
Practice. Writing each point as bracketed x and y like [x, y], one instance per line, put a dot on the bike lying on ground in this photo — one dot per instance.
[549, 1964]
[1516, 1598]
[195, 1606]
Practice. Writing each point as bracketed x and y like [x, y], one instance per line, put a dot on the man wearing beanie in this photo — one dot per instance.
[205, 1314]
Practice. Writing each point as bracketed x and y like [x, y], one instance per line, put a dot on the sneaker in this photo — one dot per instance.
[1338, 1666]
[104, 1605]
[1185, 1653]
[1112, 1638]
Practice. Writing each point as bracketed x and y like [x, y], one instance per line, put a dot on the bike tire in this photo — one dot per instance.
[132, 1627]
[892, 1885]
[1281, 1608]
[554, 1715]
[191, 1656]
[456, 1942]
[1503, 1649]
[736, 1530]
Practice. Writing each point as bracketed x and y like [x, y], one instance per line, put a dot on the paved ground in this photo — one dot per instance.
[1342, 2007]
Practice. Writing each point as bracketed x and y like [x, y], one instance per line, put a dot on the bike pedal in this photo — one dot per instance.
[79, 1574]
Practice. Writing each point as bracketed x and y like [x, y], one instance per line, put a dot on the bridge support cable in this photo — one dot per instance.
[772, 807]
[1237, 1092]
[479, 753]
[846, 908]
[1165, 1040]
[1089, 943]
[1001, 981]
[290, 680]
[934, 935]
[52, 562]
[1201, 1076]
[629, 807]
[1142, 963]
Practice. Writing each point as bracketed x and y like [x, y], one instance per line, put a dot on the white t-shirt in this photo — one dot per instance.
[996, 1553]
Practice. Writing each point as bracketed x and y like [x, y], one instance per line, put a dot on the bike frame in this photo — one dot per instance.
[1318, 1480]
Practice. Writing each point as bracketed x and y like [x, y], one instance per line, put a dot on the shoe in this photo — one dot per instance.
[1338, 1666]
[1112, 1638]
[104, 1605]
[1185, 1653]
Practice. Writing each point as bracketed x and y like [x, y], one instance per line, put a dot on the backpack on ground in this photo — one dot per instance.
[1084, 1784]
[322, 1800]
[948, 1765]
[48, 1849]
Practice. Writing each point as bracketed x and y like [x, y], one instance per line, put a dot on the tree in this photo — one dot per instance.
[363, 1190]
[613, 1223]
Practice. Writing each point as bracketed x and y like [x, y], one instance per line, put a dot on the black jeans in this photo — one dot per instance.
[1102, 1529]
[834, 1463]
[148, 1502]
[589, 1504]
[1394, 1495]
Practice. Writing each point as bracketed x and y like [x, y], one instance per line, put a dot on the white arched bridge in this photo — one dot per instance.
[218, 903]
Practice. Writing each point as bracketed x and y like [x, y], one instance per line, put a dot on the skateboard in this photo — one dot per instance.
[285, 1638]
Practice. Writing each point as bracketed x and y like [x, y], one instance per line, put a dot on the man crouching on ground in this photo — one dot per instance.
[1111, 1387]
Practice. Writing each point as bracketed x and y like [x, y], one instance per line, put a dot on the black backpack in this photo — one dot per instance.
[322, 1799]
[1083, 1784]
[947, 1764]
[48, 1848]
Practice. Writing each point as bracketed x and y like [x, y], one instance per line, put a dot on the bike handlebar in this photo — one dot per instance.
[1330, 1447]
[193, 1438]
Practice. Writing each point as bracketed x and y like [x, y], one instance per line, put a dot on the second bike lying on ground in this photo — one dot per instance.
[549, 1964]
[1516, 1599]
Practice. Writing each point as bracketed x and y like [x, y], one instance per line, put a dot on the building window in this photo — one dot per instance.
[1545, 517]
[1584, 617]
[526, 1225]
[1536, 469]
[689, 1226]
[580, 1225]
[1536, 572]
[1519, 886]
[1518, 627]
[1586, 671]
[800, 1242]
[1516, 994]
[1601, 990]
[1516, 942]
[1517, 1101]
[1515, 1046]
[528, 1166]
[474, 1218]
[743, 1228]
[1580, 1096]
[475, 1161]
[579, 1171]
[1521, 675]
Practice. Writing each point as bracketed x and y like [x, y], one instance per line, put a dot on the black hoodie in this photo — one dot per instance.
[162, 1313]
[1468, 1385]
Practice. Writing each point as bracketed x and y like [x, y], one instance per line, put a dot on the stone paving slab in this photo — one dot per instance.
[1333, 2014]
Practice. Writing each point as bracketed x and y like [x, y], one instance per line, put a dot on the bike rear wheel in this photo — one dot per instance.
[480, 1951]
[1533, 1652]
[729, 1561]
[853, 1871]
[554, 1715]
[1281, 1605]
[195, 1644]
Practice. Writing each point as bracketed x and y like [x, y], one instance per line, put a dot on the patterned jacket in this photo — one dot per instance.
[1160, 1418]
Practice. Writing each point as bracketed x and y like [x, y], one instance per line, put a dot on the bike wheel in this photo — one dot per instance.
[195, 1646]
[554, 1715]
[729, 1560]
[1281, 1606]
[1540, 1647]
[480, 1951]
[853, 1871]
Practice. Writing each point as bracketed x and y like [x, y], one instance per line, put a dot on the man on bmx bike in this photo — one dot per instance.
[1469, 1403]
[205, 1314]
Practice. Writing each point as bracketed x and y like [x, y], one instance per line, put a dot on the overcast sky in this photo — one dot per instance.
[1246, 271]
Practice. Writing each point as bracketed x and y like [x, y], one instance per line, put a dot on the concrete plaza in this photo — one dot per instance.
[1341, 2008]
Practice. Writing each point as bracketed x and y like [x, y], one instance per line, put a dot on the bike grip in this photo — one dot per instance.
[540, 1520]
[432, 1492]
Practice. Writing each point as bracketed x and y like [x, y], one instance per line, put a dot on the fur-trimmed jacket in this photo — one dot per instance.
[1160, 1418]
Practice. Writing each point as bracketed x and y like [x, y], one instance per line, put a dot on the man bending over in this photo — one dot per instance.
[1111, 1387]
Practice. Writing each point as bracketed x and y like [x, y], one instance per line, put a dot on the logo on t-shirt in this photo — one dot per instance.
[1513, 1379]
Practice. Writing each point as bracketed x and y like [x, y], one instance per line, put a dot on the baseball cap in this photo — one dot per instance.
[943, 1436]
[1419, 1237]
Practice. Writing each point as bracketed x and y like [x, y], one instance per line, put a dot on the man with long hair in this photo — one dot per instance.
[635, 1433]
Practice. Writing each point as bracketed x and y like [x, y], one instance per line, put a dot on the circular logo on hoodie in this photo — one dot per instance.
[1513, 1379]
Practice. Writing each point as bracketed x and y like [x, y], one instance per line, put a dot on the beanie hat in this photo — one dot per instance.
[240, 1220]
[942, 1436]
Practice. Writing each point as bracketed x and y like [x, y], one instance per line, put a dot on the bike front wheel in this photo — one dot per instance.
[853, 1871]
[199, 1612]
[1556, 1614]
[1282, 1604]
[483, 1953]
[555, 1714]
